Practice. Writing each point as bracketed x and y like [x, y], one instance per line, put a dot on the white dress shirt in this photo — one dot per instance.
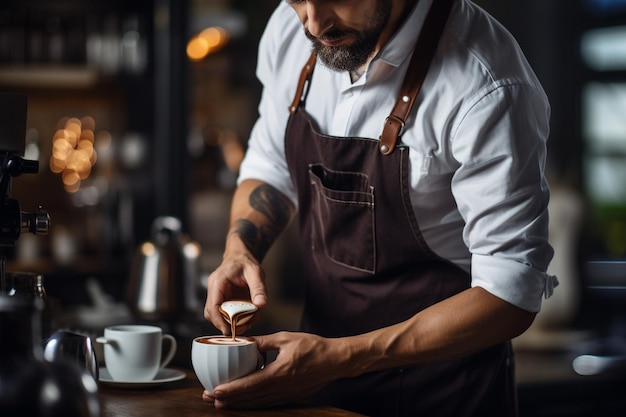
[476, 136]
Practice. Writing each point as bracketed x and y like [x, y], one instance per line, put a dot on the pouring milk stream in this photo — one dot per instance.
[237, 312]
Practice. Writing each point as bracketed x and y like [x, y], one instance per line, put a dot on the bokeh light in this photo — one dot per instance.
[208, 41]
[73, 151]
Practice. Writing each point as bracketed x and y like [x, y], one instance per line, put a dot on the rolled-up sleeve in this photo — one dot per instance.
[502, 194]
[265, 156]
[518, 284]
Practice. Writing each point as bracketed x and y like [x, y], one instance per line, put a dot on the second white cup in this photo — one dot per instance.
[133, 353]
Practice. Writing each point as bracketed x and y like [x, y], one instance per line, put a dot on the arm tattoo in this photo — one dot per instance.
[272, 204]
[276, 208]
[254, 238]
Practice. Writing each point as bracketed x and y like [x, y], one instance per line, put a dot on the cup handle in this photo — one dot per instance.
[106, 341]
[170, 354]
[261, 360]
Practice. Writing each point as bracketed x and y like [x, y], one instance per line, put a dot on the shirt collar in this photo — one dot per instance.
[401, 45]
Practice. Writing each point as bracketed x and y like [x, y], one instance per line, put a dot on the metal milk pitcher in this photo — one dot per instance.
[164, 273]
[72, 347]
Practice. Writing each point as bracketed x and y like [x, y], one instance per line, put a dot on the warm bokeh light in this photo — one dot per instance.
[192, 250]
[215, 37]
[232, 151]
[197, 48]
[208, 41]
[148, 249]
[89, 124]
[73, 152]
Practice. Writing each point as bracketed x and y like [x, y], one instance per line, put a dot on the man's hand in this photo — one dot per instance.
[305, 363]
[462, 324]
[259, 214]
[241, 278]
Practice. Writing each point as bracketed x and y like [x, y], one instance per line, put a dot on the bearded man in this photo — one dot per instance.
[409, 139]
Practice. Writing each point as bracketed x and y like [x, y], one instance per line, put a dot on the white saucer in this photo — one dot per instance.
[164, 376]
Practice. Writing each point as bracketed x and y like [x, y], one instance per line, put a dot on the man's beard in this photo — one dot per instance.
[354, 56]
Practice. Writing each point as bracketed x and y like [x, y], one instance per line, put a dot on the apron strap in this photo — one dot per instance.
[303, 84]
[423, 53]
[418, 68]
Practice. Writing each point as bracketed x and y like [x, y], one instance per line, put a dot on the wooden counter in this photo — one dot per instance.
[183, 398]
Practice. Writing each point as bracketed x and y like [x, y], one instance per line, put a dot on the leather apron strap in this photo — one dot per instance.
[420, 61]
[303, 83]
[422, 56]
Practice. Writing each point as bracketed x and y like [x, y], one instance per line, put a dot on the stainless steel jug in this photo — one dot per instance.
[164, 273]
[72, 347]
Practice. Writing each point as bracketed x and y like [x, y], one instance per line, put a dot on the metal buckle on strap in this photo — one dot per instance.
[391, 117]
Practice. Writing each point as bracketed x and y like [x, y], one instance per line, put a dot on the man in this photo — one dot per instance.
[412, 147]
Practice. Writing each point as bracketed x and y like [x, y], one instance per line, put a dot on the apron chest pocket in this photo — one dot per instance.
[344, 228]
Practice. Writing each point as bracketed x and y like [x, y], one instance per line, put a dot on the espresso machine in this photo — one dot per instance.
[14, 221]
[28, 378]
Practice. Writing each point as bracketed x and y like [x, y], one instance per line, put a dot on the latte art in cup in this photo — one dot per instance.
[219, 359]
[224, 340]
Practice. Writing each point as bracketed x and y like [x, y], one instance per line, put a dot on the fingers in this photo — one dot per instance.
[257, 294]
[238, 278]
[266, 343]
[215, 296]
[252, 391]
[260, 389]
[290, 377]
[254, 278]
[275, 341]
[206, 397]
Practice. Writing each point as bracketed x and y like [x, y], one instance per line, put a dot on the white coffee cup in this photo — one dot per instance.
[133, 353]
[218, 359]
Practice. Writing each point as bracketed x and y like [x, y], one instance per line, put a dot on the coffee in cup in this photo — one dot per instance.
[222, 340]
[133, 353]
[220, 359]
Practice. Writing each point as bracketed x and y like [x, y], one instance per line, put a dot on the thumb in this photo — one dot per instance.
[265, 343]
[256, 286]
[259, 298]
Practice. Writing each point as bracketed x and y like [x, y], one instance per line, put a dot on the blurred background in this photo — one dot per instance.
[139, 111]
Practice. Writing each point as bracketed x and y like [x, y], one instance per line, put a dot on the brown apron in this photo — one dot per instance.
[368, 265]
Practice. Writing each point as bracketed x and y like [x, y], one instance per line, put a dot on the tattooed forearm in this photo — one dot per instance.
[272, 204]
[258, 240]
[275, 208]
